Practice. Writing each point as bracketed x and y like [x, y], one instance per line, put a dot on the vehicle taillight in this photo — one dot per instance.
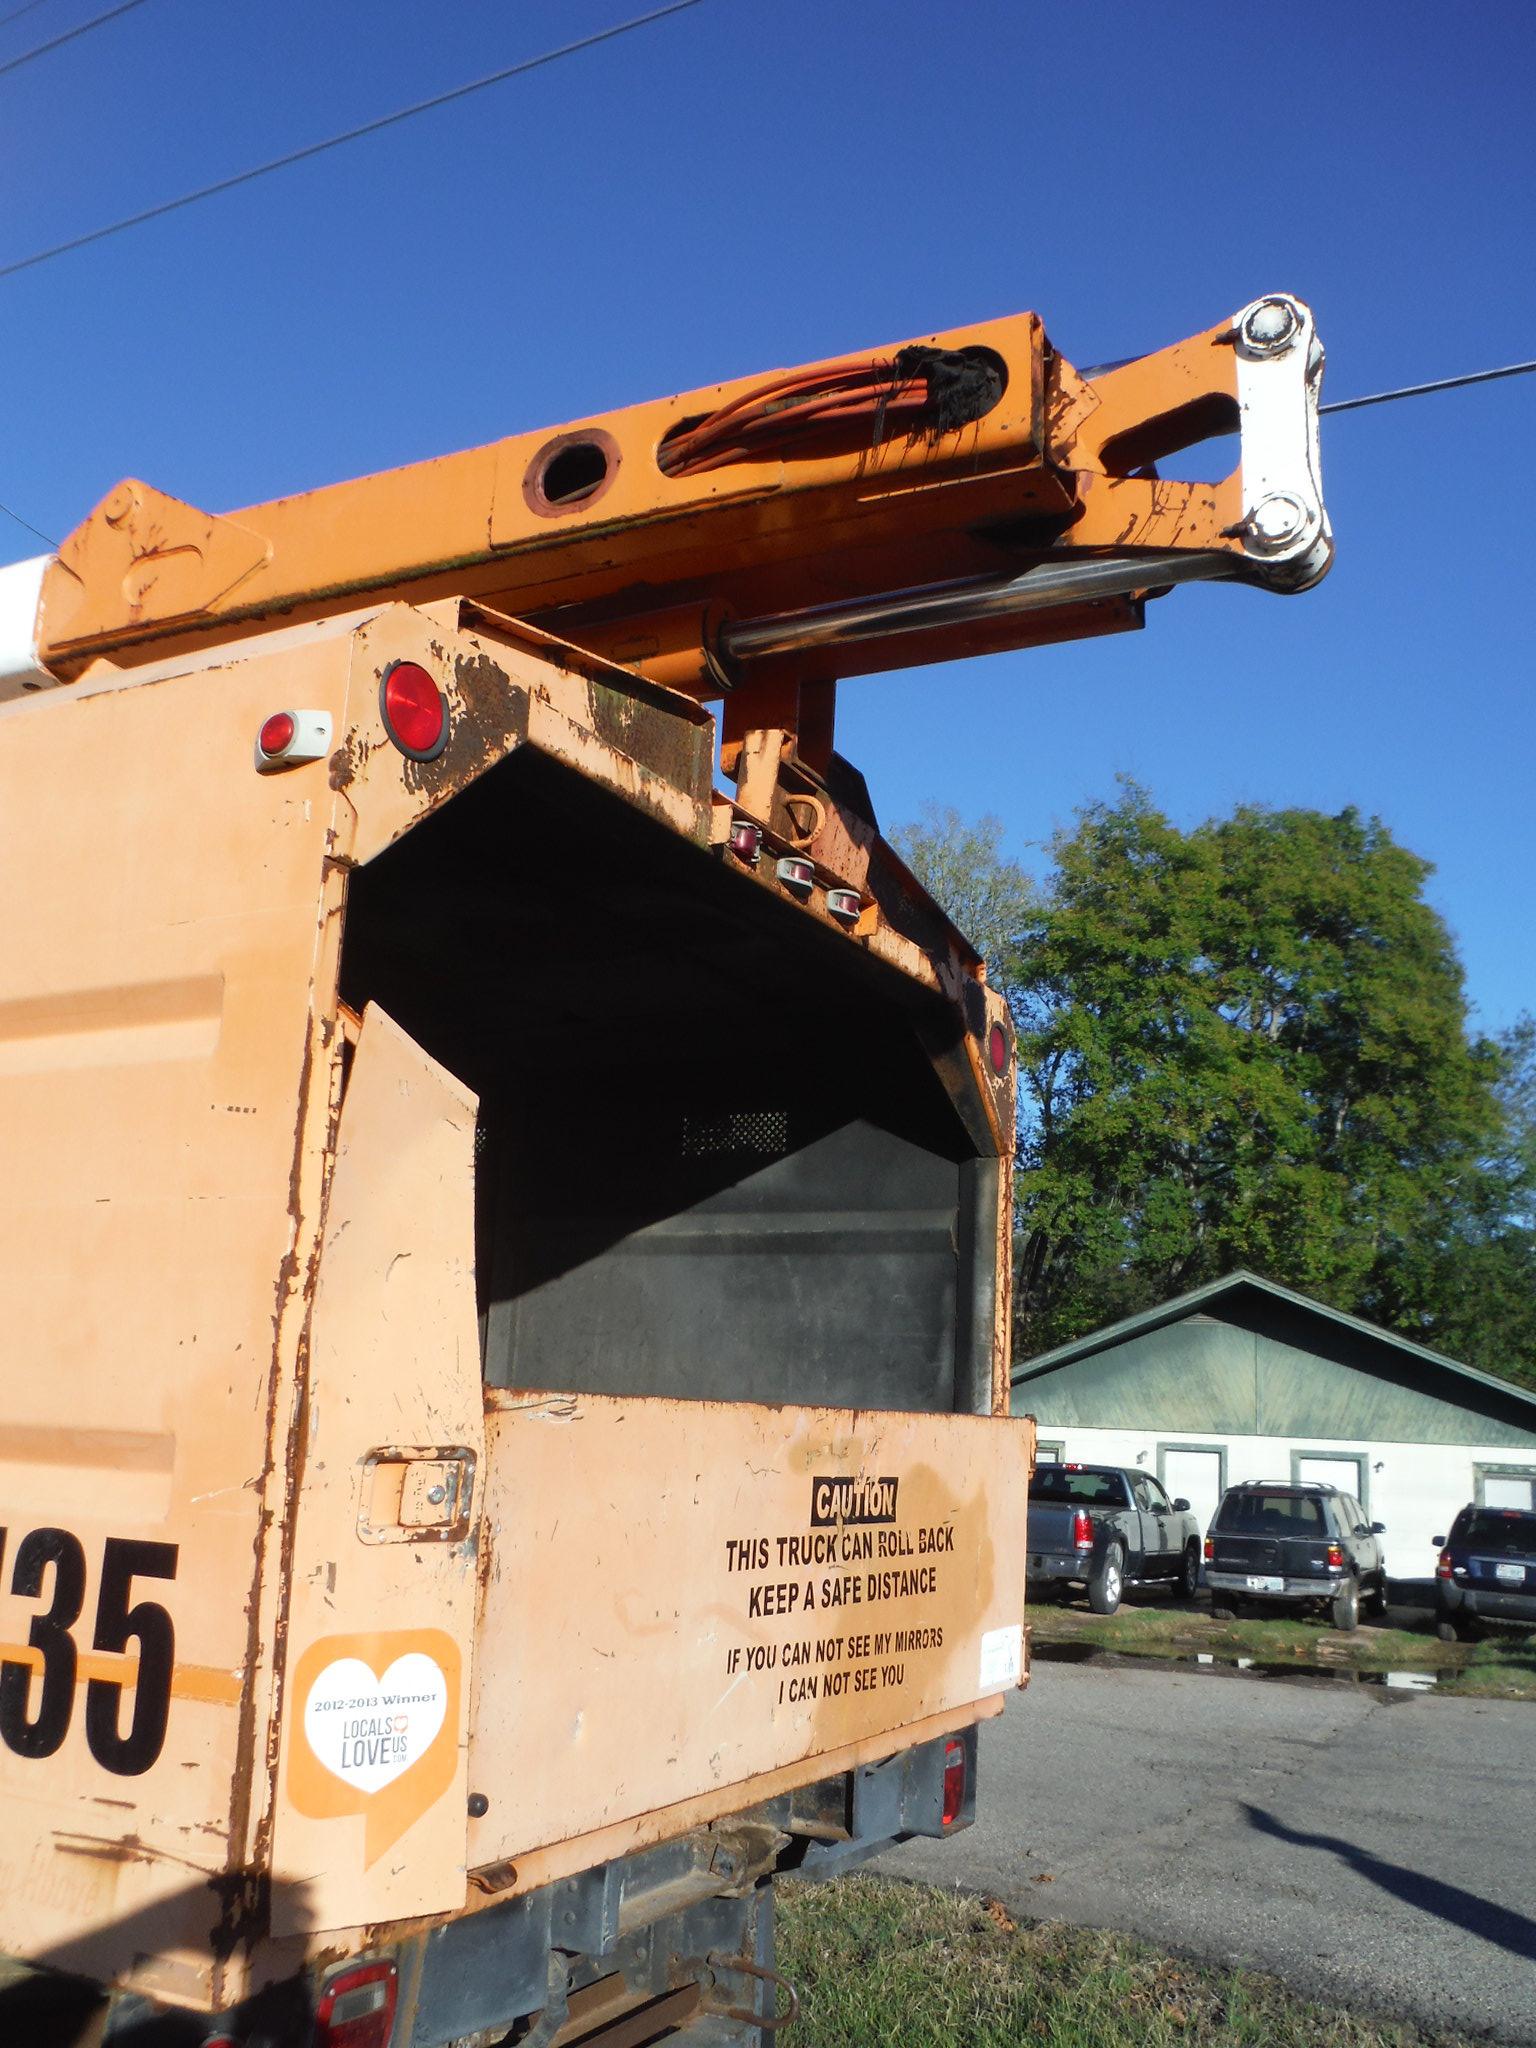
[1082, 1530]
[276, 734]
[1335, 1557]
[415, 716]
[954, 1781]
[357, 2008]
[1210, 1551]
[288, 738]
[795, 873]
[746, 841]
[1443, 1568]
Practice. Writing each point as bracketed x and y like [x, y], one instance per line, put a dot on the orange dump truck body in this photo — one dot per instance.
[505, 1258]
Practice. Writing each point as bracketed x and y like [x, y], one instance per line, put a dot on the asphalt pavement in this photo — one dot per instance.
[1374, 1849]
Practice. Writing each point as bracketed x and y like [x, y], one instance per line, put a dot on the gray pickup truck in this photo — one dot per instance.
[1106, 1527]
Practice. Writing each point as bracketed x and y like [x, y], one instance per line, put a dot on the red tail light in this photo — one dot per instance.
[954, 1781]
[276, 736]
[1443, 1568]
[1335, 1557]
[288, 737]
[415, 716]
[357, 2009]
[1082, 1530]
[1210, 1551]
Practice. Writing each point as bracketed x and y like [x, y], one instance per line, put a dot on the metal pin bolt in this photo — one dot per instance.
[1270, 327]
[1275, 520]
[437, 1495]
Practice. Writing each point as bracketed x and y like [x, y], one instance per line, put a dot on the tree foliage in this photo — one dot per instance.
[963, 867]
[1247, 1045]
[1471, 1280]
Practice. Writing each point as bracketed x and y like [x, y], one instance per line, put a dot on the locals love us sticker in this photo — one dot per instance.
[377, 1729]
[368, 1730]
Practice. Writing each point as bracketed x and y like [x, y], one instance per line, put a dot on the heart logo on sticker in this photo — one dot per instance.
[367, 1729]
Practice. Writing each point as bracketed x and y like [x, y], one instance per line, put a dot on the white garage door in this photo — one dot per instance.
[1196, 1475]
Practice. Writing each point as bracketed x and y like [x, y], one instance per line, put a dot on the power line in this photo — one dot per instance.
[29, 526]
[298, 156]
[17, 12]
[68, 36]
[1440, 384]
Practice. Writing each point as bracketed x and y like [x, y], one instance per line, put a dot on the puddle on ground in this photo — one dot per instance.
[1337, 1674]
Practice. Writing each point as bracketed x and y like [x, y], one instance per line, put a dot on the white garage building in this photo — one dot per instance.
[1243, 1379]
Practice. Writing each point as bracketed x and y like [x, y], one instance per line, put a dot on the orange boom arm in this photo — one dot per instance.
[965, 493]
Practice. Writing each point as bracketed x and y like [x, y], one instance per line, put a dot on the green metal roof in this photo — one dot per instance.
[1215, 1292]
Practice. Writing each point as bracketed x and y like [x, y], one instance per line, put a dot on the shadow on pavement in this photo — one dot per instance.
[1448, 1902]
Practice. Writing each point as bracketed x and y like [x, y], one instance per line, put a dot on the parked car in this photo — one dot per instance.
[1304, 1545]
[1487, 1571]
[1106, 1527]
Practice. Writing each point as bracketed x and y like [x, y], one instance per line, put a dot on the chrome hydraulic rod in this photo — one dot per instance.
[937, 605]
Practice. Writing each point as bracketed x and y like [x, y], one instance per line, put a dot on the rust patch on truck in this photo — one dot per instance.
[346, 761]
[675, 748]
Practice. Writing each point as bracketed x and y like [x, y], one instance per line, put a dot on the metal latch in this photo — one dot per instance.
[416, 1495]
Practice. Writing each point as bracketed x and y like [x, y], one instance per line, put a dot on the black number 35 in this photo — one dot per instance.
[118, 1625]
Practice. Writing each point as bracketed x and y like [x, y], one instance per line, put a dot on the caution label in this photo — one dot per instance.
[856, 1555]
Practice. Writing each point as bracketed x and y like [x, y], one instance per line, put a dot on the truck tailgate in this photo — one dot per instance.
[686, 1595]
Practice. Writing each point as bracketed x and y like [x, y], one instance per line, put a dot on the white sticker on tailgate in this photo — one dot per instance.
[1002, 1657]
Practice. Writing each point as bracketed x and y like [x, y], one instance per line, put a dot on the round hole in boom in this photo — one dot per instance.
[570, 471]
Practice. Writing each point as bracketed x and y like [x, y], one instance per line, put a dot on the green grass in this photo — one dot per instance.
[878, 1962]
[1497, 1666]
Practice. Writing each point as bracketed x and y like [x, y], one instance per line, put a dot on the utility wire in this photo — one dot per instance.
[298, 156]
[17, 12]
[29, 526]
[68, 36]
[1440, 384]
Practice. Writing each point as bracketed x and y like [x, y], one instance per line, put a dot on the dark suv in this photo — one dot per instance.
[1487, 1571]
[1306, 1545]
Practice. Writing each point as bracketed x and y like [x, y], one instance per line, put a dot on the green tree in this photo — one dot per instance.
[1469, 1285]
[991, 898]
[1247, 1045]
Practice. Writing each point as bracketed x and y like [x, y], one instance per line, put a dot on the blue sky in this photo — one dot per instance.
[751, 185]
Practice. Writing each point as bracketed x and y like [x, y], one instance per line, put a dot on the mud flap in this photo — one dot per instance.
[370, 1810]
